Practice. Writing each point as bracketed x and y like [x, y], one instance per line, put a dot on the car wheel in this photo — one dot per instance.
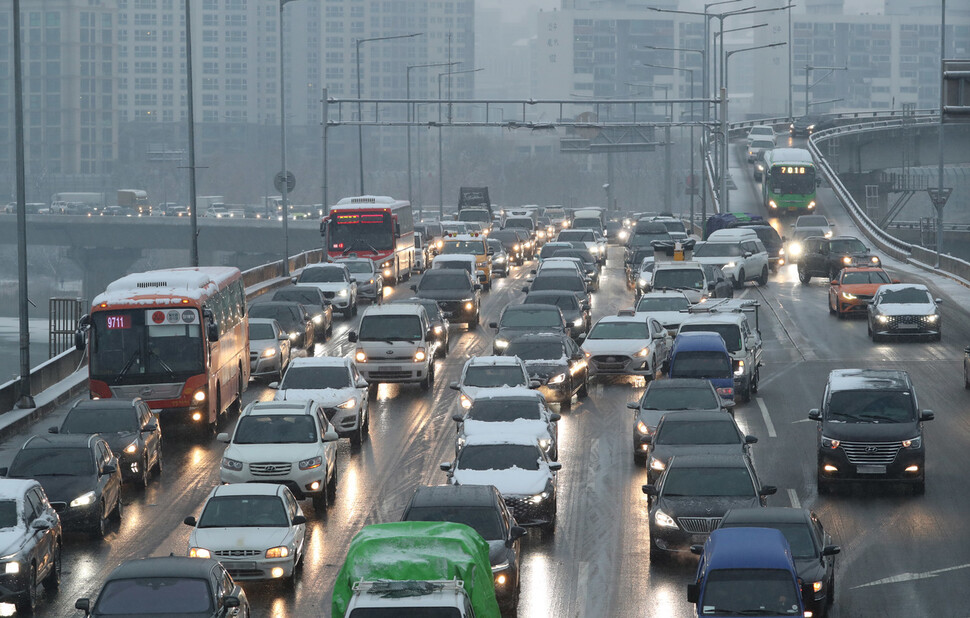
[966, 377]
[348, 312]
[146, 472]
[428, 382]
[27, 602]
[937, 337]
[830, 597]
[330, 328]
[833, 274]
[755, 380]
[319, 501]
[100, 527]
[332, 486]
[116, 513]
[832, 310]
[357, 437]
[803, 276]
[824, 486]
[158, 461]
[657, 556]
[763, 279]
[566, 404]
[53, 580]
[739, 282]
[353, 310]
[583, 391]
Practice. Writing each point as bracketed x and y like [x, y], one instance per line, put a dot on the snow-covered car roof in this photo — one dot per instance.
[500, 435]
[505, 361]
[320, 361]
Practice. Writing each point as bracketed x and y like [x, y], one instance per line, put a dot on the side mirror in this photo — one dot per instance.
[650, 490]
[149, 428]
[273, 385]
[414, 288]
[109, 469]
[330, 436]
[493, 325]
[646, 439]
[895, 281]
[697, 550]
[454, 386]
[585, 306]
[534, 272]
[834, 282]
[555, 466]
[478, 286]
[361, 383]
[223, 437]
[581, 337]
[3, 471]
[711, 286]
[458, 418]
[746, 254]
[727, 404]
[230, 601]
[534, 383]
[633, 405]
[517, 532]
[665, 366]
[814, 415]
[212, 331]
[831, 550]
[768, 490]
[938, 301]
[84, 605]
[298, 520]
[693, 590]
[190, 521]
[352, 336]
[293, 279]
[750, 439]
[79, 340]
[53, 430]
[445, 466]
[657, 336]
[282, 337]
[927, 415]
[525, 289]
[554, 418]
[40, 524]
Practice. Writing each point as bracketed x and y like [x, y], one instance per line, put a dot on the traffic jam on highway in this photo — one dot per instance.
[493, 360]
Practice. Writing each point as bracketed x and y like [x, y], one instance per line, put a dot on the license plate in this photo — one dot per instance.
[241, 566]
[390, 368]
[907, 326]
[871, 469]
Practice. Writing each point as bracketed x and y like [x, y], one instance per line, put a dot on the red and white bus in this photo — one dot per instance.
[177, 338]
[378, 228]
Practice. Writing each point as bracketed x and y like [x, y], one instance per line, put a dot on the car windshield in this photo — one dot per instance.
[105, 420]
[762, 143]
[316, 377]
[620, 330]
[905, 296]
[871, 406]
[545, 318]
[444, 281]
[674, 226]
[303, 295]
[491, 376]
[34, 462]
[750, 592]
[698, 432]
[563, 301]
[799, 536]
[717, 249]
[259, 332]
[581, 235]
[845, 245]
[147, 596]
[662, 303]
[499, 457]
[556, 282]
[761, 131]
[701, 364]
[708, 481]
[641, 240]
[536, 350]
[551, 248]
[471, 247]
[679, 278]
[519, 223]
[244, 512]
[585, 256]
[322, 275]
[864, 277]
[275, 429]
[284, 314]
[8, 514]
[697, 398]
[587, 222]
[484, 520]
[811, 221]
[729, 332]
[503, 410]
[391, 328]
[359, 266]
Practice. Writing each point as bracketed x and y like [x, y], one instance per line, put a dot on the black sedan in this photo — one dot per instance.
[577, 315]
[457, 294]
[523, 319]
[315, 303]
[481, 507]
[79, 472]
[511, 242]
[292, 317]
[692, 496]
[170, 586]
[804, 126]
[692, 432]
[31, 544]
[573, 283]
[439, 324]
[130, 428]
[811, 547]
[556, 362]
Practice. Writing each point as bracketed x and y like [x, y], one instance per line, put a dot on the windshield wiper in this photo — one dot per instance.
[161, 361]
[740, 612]
[357, 242]
[879, 417]
[127, 366]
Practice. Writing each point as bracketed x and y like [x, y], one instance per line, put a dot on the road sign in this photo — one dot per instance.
[938, 197]
[290, 182]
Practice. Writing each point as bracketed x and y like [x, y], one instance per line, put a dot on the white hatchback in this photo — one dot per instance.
[482, 374]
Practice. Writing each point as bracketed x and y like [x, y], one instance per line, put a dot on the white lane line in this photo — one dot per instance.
[764, 413]
[581, 585]
[795, 504]
[908, 577]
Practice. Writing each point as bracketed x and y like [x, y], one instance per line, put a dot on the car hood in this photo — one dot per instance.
[705, 506]
[119, 440]
[258, 537]
[664, 452]
[906, 309]
[667, 318]
[718, 260]
[474, 392]
[614, 346]
[12, 539]
[518, 427]
[651, 418]
[511, 481]
[861, 288]
[328, 287]
[507, 332]
[326, 397]
[543, 369]
[445, 294]
[260, 345]
[870, 432]
[810, 570]
[273, 452]
[66, 488]
[498, 552]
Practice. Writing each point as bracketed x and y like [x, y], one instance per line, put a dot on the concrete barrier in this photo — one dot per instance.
[42, 377]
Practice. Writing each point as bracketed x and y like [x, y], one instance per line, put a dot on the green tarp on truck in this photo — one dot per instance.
[418, 550]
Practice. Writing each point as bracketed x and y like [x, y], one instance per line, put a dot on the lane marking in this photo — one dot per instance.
[908, 577]
[764, 413]
[793, 497]
[581, 585]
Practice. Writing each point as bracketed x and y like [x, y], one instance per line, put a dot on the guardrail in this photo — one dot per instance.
[735, 127]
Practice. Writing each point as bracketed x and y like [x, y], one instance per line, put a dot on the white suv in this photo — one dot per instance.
[395, 343]
[290, 443]
[336, 283]
[738, 252]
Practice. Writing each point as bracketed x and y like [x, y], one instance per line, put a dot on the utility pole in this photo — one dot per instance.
[326, 113]
[941, 199]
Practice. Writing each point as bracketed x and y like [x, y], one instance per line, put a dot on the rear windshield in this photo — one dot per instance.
[750, 592]
[499, 457]
[322, 275]
[484, 520]
[700, 364]
[729, 332]
[492, 376]
[444, 281]
[698, 432]
[316, 377]
[680, 399]
[148, 596]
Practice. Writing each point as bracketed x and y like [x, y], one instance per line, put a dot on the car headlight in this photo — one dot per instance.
[761, 167]
[343, 293]
[932, 317]
[810, 127]
[83, 500]
[515, 247]
[772, 204]
[644, 352]
[913, 442]
[781, 251]
[817, 587]
[830, 443]
[623, 234]
[420, 355]
[469, 305]
[278, 552]
[360, 356]
[739, 368]
[536, 499]
[545, 443]
[882, 319]
[730, 265]
[847, 260]
[199, 395]
[387, 272]
[557, 379]
[828, 234]
[663, 520]
[795, 249]
[294, 336]
[465, 401]
[232, 464]
[642, 428]
[199, 552]
[642, 282]
[317, 318]
[578, 322]
[657, 465]
[269, 353]
[874, 259]
[11, 568]
[501, 344]
[438, 330]
[132, 448]
[311, 463]
[350, 404]
[811, 205]
[848, 296]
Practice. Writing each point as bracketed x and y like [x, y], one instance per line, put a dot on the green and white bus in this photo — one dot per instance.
[789, 181]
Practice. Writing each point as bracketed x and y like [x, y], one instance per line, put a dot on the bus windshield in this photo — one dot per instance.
[783, 181]
[363, 231]
[128, 348]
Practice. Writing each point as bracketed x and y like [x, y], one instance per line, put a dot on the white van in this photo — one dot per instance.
[395, 343]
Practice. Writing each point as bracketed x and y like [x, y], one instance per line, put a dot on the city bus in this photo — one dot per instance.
[378, 228]
[789, 181]
[177, 338]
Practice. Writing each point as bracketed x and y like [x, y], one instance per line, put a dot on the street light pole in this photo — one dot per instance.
[284, 190]
[193, 215]
[441, 167]
[360, 110]
[808, 70]
[26, 398]
[410, 119]
[941, 201]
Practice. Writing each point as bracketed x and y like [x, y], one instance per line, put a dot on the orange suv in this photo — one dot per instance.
[854, 287]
